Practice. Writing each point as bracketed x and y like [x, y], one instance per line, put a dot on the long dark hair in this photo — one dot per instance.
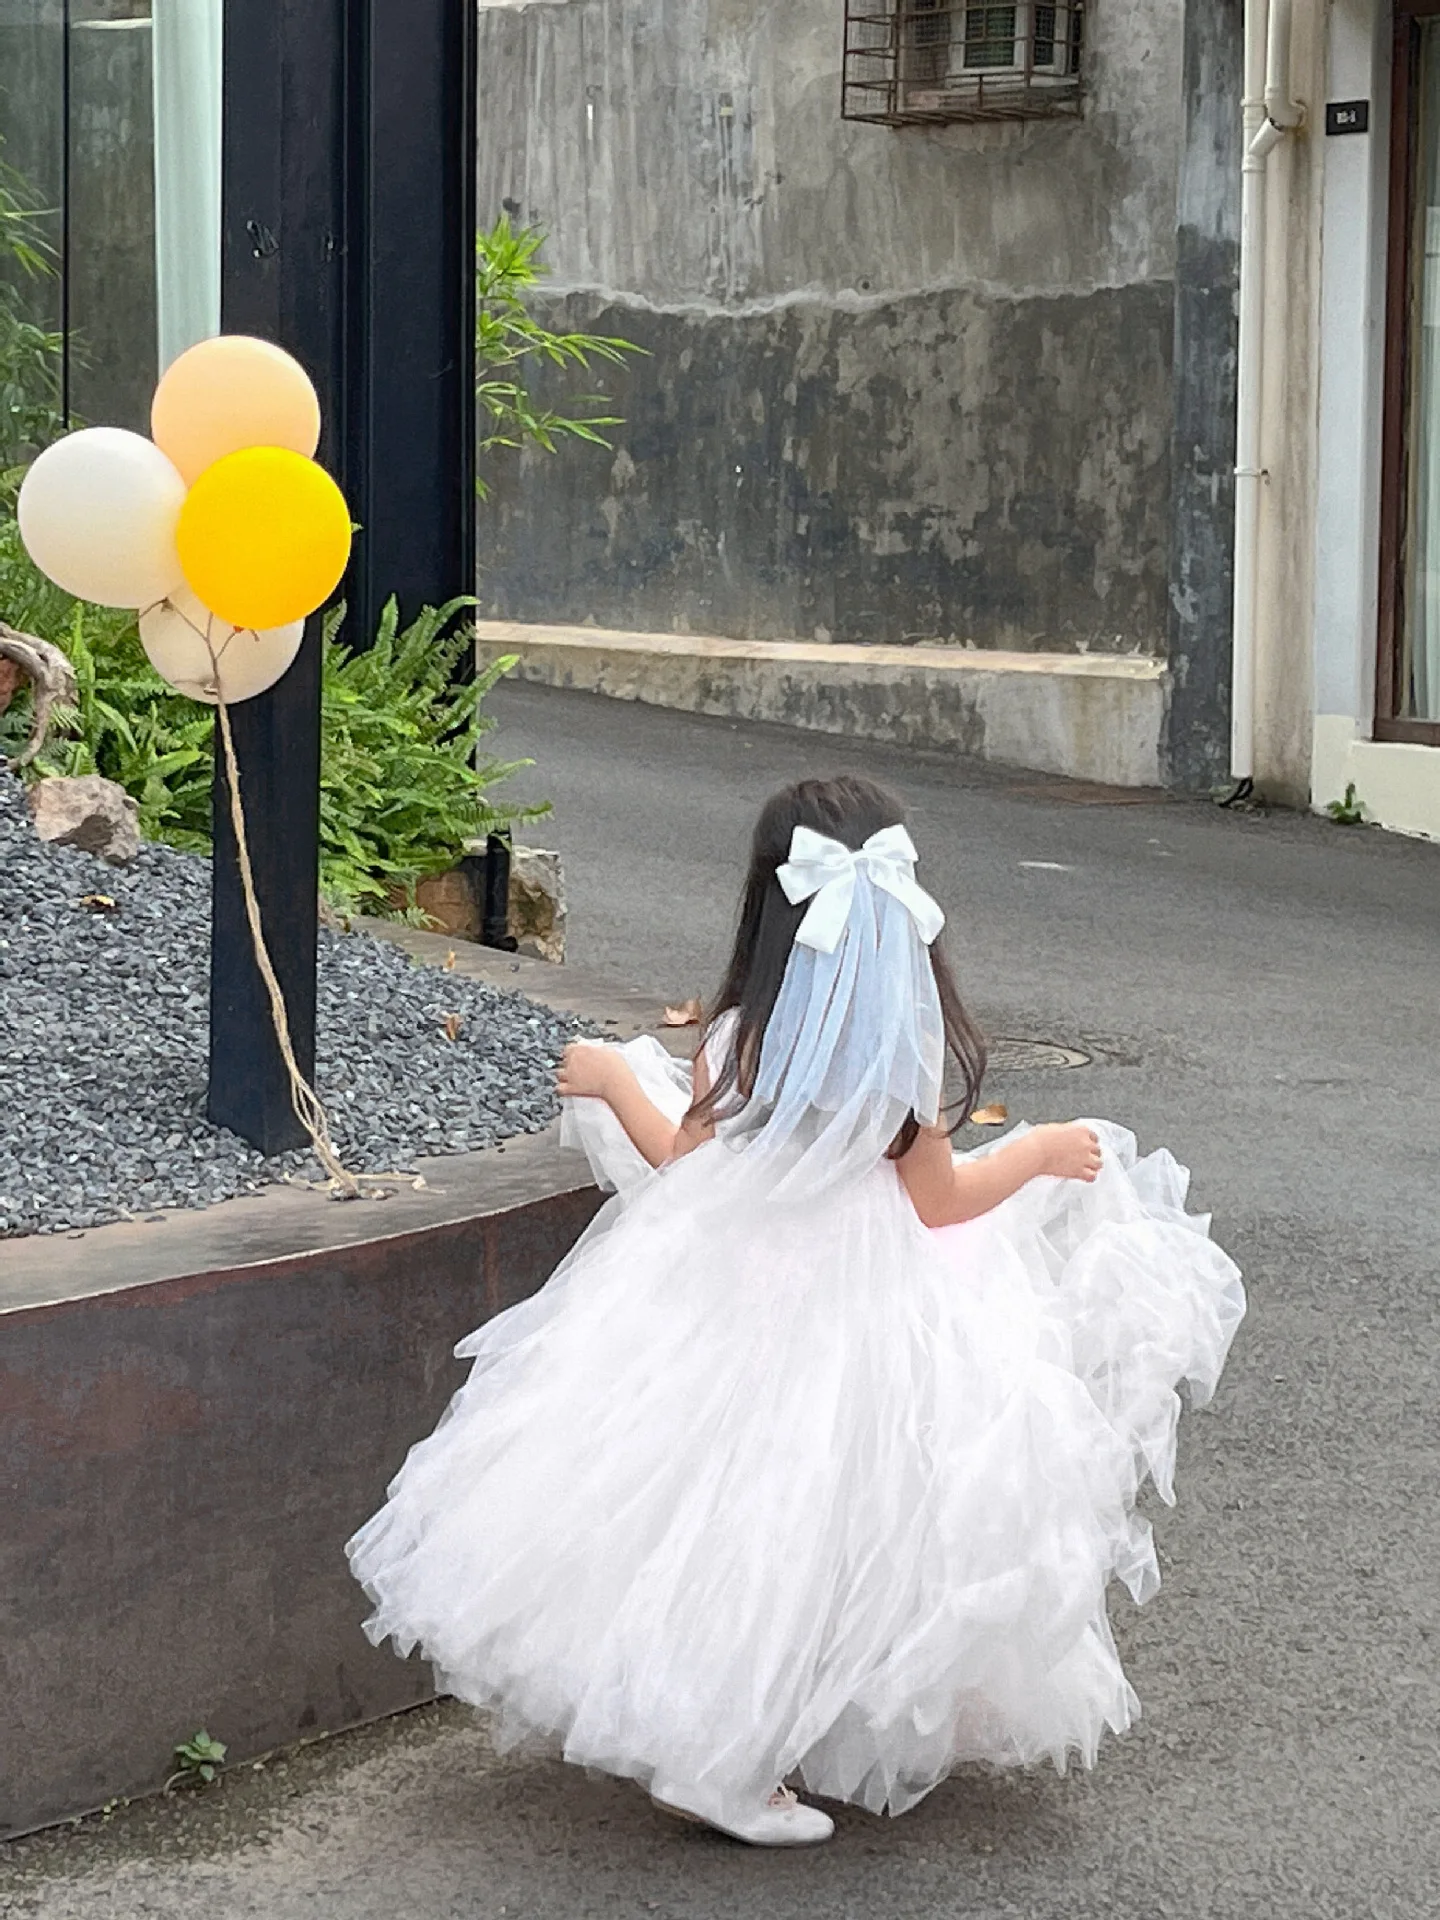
[848, 809]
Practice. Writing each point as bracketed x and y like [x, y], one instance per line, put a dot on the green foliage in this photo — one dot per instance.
[30, 355]
[1348, 812]
[128, 724]
[512, 348]
[133, 728]
[404, 783]
[198, 1761]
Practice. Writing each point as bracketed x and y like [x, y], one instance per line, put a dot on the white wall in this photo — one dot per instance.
[1399, 786]
[1352, 313]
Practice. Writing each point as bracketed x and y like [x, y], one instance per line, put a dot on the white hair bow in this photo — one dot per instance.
[822, 871]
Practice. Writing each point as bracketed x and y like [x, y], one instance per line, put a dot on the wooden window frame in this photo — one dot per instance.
[1389, 723]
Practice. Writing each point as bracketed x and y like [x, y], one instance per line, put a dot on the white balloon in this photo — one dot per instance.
[173, 635]
[98, 512]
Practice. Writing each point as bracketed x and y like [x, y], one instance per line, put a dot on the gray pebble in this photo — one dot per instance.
[103, 1045]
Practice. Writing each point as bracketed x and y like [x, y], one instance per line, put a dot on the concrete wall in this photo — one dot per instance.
[900, 385]
[183, 1457]
[1207, 273]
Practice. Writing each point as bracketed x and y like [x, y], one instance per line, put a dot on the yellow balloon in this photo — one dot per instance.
[228, 393]
[264, 537]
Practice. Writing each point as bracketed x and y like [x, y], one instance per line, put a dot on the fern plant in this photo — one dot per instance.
[404, 783]
[128, 724]
[131, 727]
[512, 348]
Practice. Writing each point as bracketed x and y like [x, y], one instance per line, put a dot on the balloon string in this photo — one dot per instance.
[308, 1106]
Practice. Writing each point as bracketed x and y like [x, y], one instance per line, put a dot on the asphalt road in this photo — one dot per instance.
[1263, 995]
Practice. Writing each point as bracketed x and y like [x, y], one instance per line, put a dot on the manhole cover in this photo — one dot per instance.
[1034, 1056]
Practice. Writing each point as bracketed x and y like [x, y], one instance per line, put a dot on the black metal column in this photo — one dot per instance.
[348, 234]
[410, 434]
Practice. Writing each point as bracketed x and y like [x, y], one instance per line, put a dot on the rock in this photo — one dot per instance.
[453, 902]
[447, 901]
[537, 902]
[89, 813]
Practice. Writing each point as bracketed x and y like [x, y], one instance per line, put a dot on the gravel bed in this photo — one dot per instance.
[103, 1042]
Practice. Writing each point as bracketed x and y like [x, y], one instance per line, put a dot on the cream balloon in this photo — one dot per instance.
[173, 635]
[98, 512]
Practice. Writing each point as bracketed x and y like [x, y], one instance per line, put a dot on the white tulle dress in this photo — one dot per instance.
[760, 1488]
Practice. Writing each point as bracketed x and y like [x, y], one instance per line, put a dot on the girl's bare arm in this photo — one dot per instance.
[602, 1073]
[944, 1194]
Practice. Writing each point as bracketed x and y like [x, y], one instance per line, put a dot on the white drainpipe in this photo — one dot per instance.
[1270, 113]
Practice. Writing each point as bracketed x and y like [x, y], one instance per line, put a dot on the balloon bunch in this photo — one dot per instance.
[223, 534]
[221, 530]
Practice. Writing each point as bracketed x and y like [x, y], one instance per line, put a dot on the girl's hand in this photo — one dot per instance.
[1069, 1152]
[587, 1071]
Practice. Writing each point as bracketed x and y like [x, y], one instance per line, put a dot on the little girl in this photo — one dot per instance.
[816, 1456]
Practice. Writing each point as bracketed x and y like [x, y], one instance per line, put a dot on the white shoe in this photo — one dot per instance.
[784, 1821]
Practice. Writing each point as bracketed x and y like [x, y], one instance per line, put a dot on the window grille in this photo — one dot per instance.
[915, 62]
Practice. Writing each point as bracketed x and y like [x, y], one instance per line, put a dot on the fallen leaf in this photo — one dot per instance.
[453, 1023]
[449, 966]
[98, 902]
[992, 1116]
[686, 1015]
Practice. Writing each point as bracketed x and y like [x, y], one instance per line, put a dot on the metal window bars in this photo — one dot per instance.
[925, 62]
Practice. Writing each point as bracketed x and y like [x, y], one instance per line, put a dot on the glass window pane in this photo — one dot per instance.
[990, 37]
[110, 245]
[32, 174]
[187, 172]
[110, 123]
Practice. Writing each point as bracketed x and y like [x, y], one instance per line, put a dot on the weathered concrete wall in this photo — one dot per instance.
[1094, 716]
[183, 1457]
[1207, 277]
[900, 384]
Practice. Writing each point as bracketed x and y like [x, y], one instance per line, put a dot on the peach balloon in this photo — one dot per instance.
[233, 392]
[264, 537]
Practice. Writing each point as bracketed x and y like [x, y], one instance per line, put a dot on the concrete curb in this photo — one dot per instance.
[1095, 717]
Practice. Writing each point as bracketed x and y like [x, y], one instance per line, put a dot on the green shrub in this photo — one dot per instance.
[403, 784]
[403, 781]
[129, 724]
[512, 348]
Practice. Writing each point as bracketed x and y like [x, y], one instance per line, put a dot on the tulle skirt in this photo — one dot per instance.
[746, 1493]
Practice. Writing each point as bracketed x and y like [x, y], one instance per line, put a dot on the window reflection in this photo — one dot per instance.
[109, 205]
